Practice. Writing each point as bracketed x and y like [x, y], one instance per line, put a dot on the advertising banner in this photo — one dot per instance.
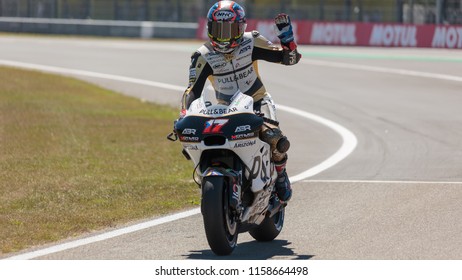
[360, 34]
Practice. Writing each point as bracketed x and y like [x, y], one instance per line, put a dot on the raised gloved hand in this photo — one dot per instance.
[284, 31]
[290, 56]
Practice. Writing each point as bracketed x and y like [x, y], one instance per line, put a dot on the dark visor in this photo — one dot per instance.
[225, 31]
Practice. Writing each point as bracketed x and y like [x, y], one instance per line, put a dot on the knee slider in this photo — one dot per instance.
[283, 145]
[276, 139]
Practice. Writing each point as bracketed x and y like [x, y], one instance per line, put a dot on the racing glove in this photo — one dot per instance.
[290, 55]
[284, 31]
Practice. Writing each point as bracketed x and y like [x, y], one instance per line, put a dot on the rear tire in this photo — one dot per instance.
[219, 223]
[270, 228]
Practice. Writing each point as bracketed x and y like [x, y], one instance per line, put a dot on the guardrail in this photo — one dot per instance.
[142, 29]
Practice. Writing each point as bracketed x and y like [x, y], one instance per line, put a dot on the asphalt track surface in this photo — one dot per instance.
[397, 195]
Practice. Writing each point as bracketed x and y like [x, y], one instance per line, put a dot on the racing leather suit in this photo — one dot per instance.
[238, 70]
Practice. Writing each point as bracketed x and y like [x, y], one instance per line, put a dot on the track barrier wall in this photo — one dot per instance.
[116, 28]
[361, 34]
[306, 32]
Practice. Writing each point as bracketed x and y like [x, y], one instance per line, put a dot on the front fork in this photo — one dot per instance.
[234, 185]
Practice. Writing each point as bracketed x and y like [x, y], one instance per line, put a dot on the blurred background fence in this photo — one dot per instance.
[400, 11]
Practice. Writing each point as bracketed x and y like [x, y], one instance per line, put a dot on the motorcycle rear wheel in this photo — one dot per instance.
[219, 223]
[270, 228]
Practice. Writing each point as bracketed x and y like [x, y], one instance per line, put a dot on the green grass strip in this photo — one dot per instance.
[76, 158]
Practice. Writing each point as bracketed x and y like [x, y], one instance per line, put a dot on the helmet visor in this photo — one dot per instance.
[225, 31]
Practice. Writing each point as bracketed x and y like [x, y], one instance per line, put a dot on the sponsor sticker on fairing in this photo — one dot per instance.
[242, 128]
[245, 144]
[189, 139]
[218, 111]
[188, 131]
[243, 136]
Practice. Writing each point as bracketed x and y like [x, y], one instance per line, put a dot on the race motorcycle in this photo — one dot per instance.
[233, 167]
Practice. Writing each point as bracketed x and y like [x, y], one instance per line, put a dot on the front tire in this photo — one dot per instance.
[219, 223]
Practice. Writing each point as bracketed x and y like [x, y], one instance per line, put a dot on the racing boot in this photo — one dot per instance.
[283, 188]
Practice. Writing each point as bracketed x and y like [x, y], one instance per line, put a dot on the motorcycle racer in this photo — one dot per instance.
[229, 61]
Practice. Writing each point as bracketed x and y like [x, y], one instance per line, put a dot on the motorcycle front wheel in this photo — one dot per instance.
[219, 222]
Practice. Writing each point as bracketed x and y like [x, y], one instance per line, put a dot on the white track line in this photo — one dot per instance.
[104, 236]
[83, 73]
[349, 144]
[382, 70]
[383, 182]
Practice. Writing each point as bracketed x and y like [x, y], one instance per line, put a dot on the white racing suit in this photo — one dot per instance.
[238, 70]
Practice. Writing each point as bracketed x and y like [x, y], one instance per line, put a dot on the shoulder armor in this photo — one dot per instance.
[255, 33]
[206, 48]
